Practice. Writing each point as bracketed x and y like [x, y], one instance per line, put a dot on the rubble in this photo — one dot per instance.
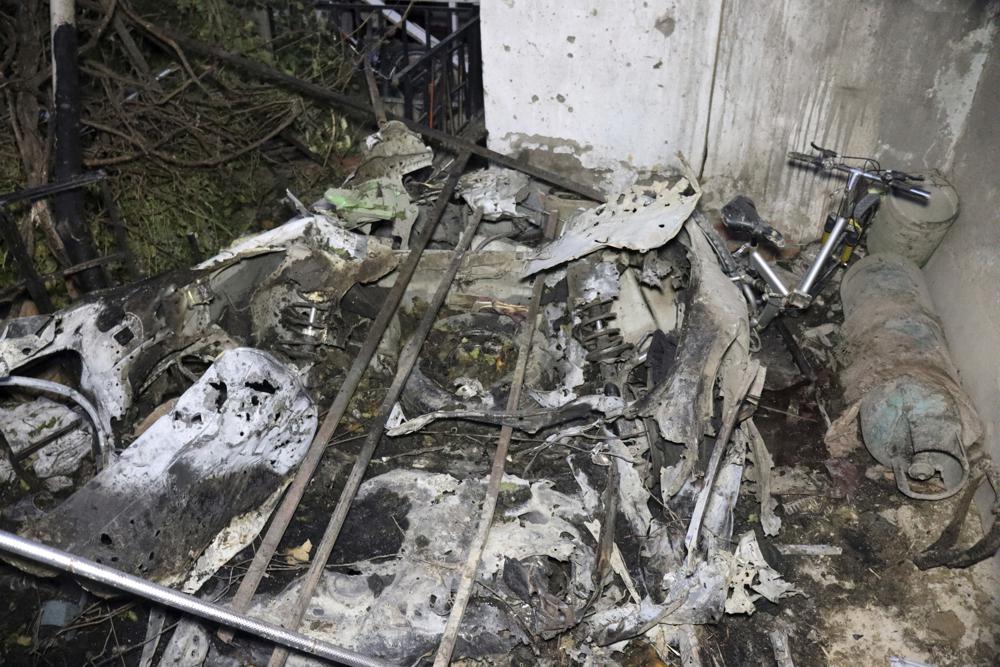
[608, 520]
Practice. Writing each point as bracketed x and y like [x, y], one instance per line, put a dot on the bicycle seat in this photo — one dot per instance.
[741, 218]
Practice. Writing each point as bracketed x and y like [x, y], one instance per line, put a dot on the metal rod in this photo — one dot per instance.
[404, 365]
[373, 93]
[15, 289]
[767, 273]
[15, 464]
[360, 109]
[729, 419]
[805, 286]
[120, 232]
[73, 425]
[25, 265]
[50, 189]
[283, 516]
[471, 566]
[67, 207]
[107, 576]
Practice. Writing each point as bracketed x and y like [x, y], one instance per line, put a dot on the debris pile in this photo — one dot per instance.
[626, 377]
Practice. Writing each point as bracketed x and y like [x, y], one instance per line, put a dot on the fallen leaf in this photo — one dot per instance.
[299, 554]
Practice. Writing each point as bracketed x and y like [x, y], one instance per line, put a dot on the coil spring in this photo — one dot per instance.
[602, 341]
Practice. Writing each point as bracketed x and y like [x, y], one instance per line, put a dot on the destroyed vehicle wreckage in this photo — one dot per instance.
[202, 392]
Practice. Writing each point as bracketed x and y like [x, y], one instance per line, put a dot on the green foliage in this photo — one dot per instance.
[162, 201]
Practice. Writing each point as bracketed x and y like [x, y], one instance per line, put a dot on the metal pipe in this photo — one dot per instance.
[809, 279]
[107, 576]
[404, 366]
[283, 516]
[101, 446]
[771, 309]
[475, 554]
[767, 273]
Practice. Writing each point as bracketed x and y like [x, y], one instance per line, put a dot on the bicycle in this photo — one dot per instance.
[767, 294]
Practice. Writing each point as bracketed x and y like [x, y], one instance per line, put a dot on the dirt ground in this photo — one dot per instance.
[870, 603]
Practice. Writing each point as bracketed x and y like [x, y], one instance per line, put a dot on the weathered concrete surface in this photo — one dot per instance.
[891, 79]
[620, 88]
[964, 273]
[610, 87]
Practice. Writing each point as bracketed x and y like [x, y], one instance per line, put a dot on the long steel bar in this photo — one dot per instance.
[51, 189]
[407, 360]
[358, 108]
[15, 246]
[729, 419]
[281, 519]
[471, 566]
[107, 576]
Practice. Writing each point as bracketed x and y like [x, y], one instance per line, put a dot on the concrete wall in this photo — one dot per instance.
[964, 272]
[620, 87]
[607, 86]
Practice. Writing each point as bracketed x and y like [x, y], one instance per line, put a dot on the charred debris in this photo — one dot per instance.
[457, 412]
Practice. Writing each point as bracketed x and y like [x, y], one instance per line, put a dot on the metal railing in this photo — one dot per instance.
[426, 56]
[443, 89]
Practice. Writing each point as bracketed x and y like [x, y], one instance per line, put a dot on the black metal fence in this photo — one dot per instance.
[426, 56]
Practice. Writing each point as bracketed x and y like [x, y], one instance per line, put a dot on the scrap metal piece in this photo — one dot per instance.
[944, 552]
[463, 592]
[716, 324]
[808, 550]
[105, 341]
[237, 433]
[128, 336]
[314, 231]
[52, 430]
[375, 190]
[392, 151]
[754, 578]
[641, 218]
[781, 648]
[394, 599]
[47, 557]
[528, 421]
[496, 191]
[729, 418]
[763, 467]
[101, 439]
[605, 542]
[338, 407]
[378, 199]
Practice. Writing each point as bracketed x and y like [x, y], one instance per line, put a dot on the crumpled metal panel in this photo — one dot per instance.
[641, 218]
[715, 330]
[235, 435]
[497, 191]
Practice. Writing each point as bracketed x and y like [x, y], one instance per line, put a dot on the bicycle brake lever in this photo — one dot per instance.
[824, 152]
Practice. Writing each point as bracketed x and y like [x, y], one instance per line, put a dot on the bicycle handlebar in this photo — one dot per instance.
[892, 179]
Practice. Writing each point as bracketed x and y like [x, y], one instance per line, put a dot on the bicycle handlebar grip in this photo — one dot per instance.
[802, 157]
[916, 192]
